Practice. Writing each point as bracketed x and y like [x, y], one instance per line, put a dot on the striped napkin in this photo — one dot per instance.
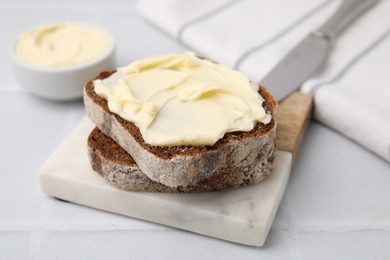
[351, 93]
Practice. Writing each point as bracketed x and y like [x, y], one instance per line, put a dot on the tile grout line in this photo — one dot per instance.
[40, 229]
[77, 228]
[326, 229]
[66, 8]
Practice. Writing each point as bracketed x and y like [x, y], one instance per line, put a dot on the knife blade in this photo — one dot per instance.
[311, 53]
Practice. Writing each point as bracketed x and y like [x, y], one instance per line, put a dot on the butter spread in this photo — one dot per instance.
[180, 99]
[62, 45]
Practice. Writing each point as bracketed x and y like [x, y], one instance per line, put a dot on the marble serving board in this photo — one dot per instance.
[244, 215]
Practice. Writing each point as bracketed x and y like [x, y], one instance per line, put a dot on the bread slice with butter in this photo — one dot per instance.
[187, 165]
[119, 169]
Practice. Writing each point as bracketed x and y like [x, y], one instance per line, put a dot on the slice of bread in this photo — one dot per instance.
[237, 152]
[119, 169]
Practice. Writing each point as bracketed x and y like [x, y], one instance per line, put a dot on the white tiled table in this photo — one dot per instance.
[337, 203]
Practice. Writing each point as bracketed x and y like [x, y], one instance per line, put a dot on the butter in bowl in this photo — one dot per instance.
[55, 61]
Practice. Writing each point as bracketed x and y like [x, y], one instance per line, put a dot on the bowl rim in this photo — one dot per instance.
[109, 52]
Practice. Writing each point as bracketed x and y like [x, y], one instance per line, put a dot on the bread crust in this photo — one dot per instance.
[119, 169]
[188, 165]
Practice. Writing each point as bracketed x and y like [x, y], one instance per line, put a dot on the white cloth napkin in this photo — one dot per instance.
[351, 94]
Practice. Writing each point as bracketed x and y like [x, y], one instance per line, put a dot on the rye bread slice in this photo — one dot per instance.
[119, 169]
[187, 165]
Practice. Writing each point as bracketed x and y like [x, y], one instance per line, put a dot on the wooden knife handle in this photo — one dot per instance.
[293, 116]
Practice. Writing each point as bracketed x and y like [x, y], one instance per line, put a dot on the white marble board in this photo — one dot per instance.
[243, 215]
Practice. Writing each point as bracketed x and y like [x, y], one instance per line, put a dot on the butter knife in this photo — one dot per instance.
[311, 53]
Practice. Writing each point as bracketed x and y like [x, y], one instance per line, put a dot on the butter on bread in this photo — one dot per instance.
[186, 166]
[180, 99]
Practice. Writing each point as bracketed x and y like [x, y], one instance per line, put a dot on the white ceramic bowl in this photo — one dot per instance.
[60, 83]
